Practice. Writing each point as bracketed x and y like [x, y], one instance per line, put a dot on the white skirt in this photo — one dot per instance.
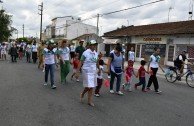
[3, 52]
[89, 78]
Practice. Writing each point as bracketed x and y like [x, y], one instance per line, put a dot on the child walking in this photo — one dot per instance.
[100, 75]
[142, 80]
[129, 73]
[75, 66]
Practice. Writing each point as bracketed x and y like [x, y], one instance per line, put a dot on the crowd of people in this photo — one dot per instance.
[90, 64]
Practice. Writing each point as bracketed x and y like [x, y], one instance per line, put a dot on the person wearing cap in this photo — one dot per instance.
[154, 64]
[64, 53]
[49, 60]
[80, 49]
[180, 60]
[40, 55]
[89, 60]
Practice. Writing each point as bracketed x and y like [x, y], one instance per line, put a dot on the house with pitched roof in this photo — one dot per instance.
[171, 38]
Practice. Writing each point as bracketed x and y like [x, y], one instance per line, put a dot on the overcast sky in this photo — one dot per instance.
[26, 12]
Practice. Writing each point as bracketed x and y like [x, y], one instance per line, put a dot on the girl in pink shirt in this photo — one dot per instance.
[129, 73]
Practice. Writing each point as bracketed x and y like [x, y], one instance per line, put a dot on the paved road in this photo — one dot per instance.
[24, 101]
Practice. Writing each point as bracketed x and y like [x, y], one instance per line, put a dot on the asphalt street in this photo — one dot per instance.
[25, 101]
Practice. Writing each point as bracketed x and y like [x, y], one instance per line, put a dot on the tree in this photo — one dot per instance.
[5, 25]
[123, 26]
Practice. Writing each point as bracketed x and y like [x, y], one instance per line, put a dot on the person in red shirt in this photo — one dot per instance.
[142, 79]
[75, 66]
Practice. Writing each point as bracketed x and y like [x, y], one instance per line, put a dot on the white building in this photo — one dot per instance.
[68, 27]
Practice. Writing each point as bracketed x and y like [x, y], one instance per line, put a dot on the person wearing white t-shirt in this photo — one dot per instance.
[49, 60]
[89, 60]
[72, 52]
[131, 55]
[34, 52]
[154, 64]
[64, 53]
[3, 51]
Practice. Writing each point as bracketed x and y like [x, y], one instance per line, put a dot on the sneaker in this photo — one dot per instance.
[148, 89]
[77, 80]
[112, 92]
[129, 90]
[123, 85]
[135, 86]
[45, 84]
[144, 90]
[97, 95]
[119, 93]
[53, 87]
[158, 92]
[108, 77]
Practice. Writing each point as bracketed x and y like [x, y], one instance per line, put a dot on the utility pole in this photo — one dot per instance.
[23, 30]
[41, 10]
[97, 30]
[170, 8]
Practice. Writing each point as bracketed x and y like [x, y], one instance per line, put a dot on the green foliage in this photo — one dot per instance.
[5, 25]
[22, 40]
[123, 26]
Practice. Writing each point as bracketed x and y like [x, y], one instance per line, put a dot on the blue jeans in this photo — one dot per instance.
[51, 68]
[113, 75]
[142, 81]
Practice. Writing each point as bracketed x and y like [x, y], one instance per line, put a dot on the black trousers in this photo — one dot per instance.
[153, 79]
[34, 56]
[28, 55]
[13, 58]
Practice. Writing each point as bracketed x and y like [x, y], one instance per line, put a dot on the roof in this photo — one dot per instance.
[60, 17]
[83, 36]
[170, 28]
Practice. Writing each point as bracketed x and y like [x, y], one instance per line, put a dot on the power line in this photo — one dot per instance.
[112, 13]
[131, 7]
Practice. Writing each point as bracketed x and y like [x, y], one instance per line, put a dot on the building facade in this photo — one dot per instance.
[68, 27]
[171, 38]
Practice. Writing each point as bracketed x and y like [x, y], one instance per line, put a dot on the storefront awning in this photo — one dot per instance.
[111, 41]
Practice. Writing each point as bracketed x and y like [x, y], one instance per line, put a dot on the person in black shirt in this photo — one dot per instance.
[180, 61]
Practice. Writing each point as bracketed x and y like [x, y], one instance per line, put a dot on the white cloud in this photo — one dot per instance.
[26, 12]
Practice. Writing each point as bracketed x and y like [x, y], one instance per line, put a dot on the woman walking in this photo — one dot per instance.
[154, 63]
[13, 53]
[89, 60]
[116, 68]
[3, 51]
[34, 52]
[49, 60]
[64, 53]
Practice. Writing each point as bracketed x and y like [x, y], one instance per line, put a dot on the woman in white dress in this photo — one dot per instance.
[3, 51]
[89, 71]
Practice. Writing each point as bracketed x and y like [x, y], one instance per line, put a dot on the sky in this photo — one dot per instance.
[26, 12]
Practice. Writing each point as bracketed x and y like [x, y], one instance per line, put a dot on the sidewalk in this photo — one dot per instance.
[137, 64]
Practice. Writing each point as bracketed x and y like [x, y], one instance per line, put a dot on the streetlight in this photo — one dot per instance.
[128, 22]
[170, 8]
